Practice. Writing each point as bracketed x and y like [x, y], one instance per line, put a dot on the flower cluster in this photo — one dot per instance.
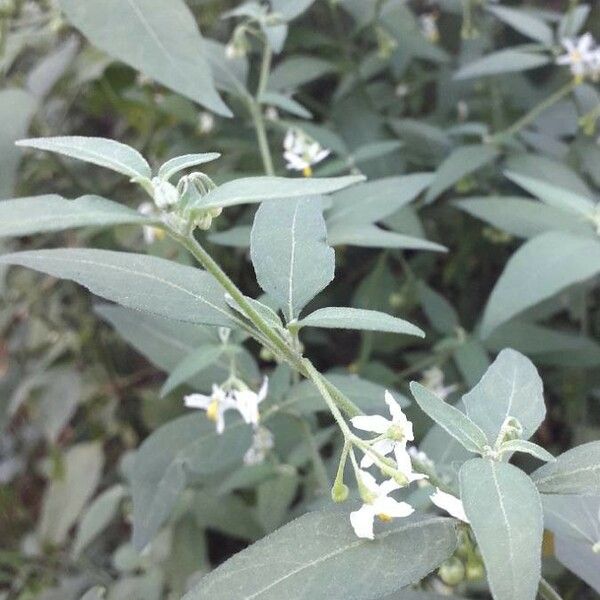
[394, 434]
[244, 401]
[582, 57]
[302, 152]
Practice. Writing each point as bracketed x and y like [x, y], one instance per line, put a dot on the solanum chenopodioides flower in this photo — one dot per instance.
[302, 152]
[376, 503]
[232, 395]
[582, 57]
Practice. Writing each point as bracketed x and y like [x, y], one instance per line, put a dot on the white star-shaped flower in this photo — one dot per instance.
[451, 504]
[247, 401]
[579, 56]
[378, 505]
[302, 152]
[398, 430]
[215, 405]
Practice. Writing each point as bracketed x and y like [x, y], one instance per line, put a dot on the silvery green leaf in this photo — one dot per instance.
[577, 471]
[377, 199]
[463, 161]
[295, 71]
[573, 21]
[274, 498]
[227, 514]
[192, 364]
[318, 555]
[454, 421]
[339, 317]
[17, 108]
[522, 217]
[58, 400]
[575, 522]
[266, 312]
[524, 22]
[251, 190]
[509, 60]
[511, 387]
[96, 517]
[65, 497]
[103, 152]
[236, 237]
[304, 397]
[472, 360]
[285, 103]
[136, 281]
[37, 214]
[160, 39]
[186, 446]
[505, 512]
[554, 195]
[542, 267]
[95, 593]
[230, 74]
[528, 448]
[440, 313]
[290, 9]
[292, 260]
[180, 163]
[371, 236]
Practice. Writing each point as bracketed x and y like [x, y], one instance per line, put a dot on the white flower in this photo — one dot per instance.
[429, 28]
[302, 152]
[419, 455]
[402, 90]
[165, 193]
[271, 114]
[433, 379]
[262, 442]
[451, 504]
[398, 429]
[379, 504]
[150, 233]
[247, 401]
[581, 55]
[215, 405]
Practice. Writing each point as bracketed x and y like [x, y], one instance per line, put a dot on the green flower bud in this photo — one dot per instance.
[475, 571]
[452, 571]
[339, 492]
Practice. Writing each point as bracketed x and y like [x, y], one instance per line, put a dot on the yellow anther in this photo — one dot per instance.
[307, 171]
[383, 517]
[212, 412]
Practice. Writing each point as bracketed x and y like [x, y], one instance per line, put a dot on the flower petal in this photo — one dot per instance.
[374, 423]
[383, 447]
[197, 401]
[362, 521]
[392, 508]
[451, 504]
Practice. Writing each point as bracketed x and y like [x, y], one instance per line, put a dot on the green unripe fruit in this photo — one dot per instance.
[452, 571]
[339, 492]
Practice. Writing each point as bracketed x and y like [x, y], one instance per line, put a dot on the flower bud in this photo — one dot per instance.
[165, 194]
[452, 571]
[339, 492]
[475, 571]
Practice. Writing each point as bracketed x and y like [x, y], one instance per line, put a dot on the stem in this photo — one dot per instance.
[534, 112]
[255, 108]
[547, 592]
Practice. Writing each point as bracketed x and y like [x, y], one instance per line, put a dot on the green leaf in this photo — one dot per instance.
[440, 313]
[274, 498]
[187, 446]
[37, 214]
[66, 496]
[179, 163]
[508, 60]
[524, 22]
[251, 190]
[318, 556]
[266, 312]
[505, 512]
[293, 72]
[136, 281]
[292, 261]
[97, 517]
[160, 39]
[577, 471]
[522, 217]
[17, 108]
[527, 447]
[338, 317]
[454, 421]
[290, 9]
[371, 236]
[540, 268]
[98, 151]
[285, 103]
[375, 200]
[511, 387]
[462, 161]
[553, 195]
[192, 364]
